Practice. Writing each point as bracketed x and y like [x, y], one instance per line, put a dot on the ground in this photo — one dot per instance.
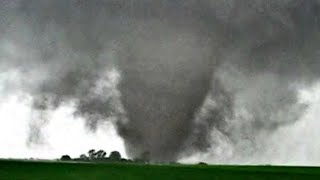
[11, 169]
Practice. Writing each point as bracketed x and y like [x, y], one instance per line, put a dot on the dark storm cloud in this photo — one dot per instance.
[185, 67]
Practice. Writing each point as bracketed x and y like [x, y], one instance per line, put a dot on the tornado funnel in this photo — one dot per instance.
[165, 78]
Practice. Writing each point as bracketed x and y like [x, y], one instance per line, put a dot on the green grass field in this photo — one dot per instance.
[78, 171]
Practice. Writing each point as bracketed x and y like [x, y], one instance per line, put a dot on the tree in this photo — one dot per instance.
[91, 153]
[202, 163]
[65, 158]
[104, 154]
[100, 154]
[83, 157]
[115, 156]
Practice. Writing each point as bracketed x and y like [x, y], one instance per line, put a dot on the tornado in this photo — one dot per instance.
[165, 76]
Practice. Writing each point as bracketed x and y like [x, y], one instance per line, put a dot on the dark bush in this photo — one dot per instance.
[115, 156]
[65, 158]
[202, 163]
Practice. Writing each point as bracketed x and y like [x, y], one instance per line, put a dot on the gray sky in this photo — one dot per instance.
[216, 80]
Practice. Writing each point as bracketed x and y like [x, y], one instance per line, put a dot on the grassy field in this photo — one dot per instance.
[78, 171]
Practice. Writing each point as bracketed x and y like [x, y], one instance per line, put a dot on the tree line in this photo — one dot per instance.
[101, 156]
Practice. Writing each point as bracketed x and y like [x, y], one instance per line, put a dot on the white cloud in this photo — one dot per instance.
[64, 134]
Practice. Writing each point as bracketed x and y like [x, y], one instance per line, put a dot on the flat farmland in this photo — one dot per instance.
[84, 171]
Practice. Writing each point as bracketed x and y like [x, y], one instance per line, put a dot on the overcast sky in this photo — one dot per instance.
[216, 81]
